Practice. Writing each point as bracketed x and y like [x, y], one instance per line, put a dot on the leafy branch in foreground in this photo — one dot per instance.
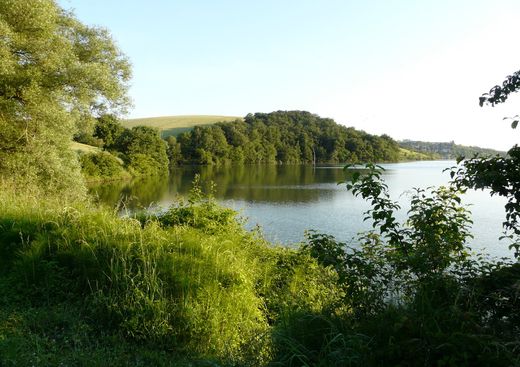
[501, 175]
[500, 93]
[394, 259]
[435, 233]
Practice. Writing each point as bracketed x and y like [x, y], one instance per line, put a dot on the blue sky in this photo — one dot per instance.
[411, 69]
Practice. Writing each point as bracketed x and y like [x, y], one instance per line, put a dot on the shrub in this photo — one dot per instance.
[144, 165]
[101, 165]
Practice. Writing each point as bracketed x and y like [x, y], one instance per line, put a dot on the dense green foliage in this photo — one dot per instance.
[102, 166]
[284, 137]
[143, 150]
[190, 284]
[448, 150]
[56, 74]
[108, 130]
[414, 295]
[292, 137]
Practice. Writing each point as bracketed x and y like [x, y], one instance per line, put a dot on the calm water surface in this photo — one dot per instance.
[287, 200]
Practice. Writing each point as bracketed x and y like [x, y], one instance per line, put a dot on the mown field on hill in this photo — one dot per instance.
[175, 125]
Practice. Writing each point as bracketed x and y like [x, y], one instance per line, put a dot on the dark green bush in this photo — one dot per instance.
[144, 165]
[101, 165]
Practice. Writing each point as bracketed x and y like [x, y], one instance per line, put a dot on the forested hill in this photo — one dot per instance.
[447, 150]
[283, 137]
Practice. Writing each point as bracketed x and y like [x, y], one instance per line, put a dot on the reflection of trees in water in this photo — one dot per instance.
[264, 183]
[261, 183]
[106, 193]
[133, 194]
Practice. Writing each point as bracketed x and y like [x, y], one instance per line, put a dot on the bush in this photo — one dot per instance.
[200, 211]
[102, 165]
[144, 165]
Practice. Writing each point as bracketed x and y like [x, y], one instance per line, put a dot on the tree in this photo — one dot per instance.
[108, 129]
[499, 174]
[56, 76]
[143, 146]
[173, 151]
[499, 94]
[284, 137]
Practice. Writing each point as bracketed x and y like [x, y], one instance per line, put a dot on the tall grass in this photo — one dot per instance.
[202, 289]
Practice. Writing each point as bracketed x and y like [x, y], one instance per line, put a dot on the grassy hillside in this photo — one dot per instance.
[84, 148]
[411, 155]
[175, 125]
[447, 150]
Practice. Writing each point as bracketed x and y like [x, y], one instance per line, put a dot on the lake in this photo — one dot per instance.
[286, 200]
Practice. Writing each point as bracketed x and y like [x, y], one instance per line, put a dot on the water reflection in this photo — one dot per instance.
[135, 194]
[262, 184]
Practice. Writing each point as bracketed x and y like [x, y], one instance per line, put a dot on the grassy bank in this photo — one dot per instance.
[81, 286]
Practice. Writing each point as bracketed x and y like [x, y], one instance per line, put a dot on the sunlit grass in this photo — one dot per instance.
[84, 148]
[410, 155]
[196, 291]
[176, 286]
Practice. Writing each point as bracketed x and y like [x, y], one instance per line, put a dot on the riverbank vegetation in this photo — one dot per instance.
[122, 153]
[83, 285]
